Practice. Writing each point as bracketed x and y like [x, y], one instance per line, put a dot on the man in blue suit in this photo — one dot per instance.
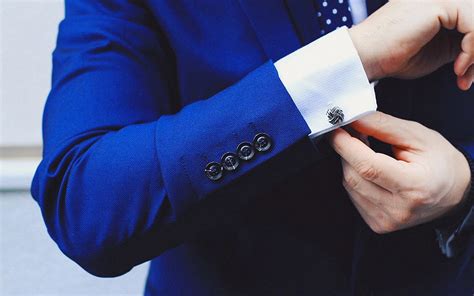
[194, 134]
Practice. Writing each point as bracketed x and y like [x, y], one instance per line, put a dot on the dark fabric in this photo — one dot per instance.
[303, 15]
[332, 14]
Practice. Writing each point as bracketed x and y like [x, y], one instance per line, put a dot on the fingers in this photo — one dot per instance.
[464, 15]
[382, 210]
[466, 57]
[378, 168]
[459, 15]
[367, 210]
[465, 61]
[354, 182]
[363, 138]
[380, 220]
[369, 199]
[462, 63]
[465, 81]
[375, 218]
[391, 130]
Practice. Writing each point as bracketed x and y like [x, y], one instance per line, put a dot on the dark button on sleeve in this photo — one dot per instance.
[245, 151]
[214, 171]
[230, 161]
[262, 142]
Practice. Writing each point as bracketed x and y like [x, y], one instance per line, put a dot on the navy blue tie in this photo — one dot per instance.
[332, 14]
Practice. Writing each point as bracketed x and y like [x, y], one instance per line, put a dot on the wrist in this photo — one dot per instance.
[367, 53]
[462, 190]
[462, 194]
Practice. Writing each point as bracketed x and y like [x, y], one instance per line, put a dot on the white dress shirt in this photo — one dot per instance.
[329, 73]
[358, 10]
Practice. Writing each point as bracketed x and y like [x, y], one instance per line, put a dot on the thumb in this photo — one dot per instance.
[391, 130]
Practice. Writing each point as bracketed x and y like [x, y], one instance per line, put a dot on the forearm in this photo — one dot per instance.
[367, 55]
[113, 188]
[407, 39]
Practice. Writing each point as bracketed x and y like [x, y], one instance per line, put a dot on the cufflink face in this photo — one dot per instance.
[214, 171]
[230, 161]
[335, 115]
[262, 142]
[245, 151]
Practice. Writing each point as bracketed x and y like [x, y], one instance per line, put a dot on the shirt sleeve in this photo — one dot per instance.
[332, 62]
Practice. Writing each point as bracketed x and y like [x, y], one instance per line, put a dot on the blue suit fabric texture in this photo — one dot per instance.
[145, 94]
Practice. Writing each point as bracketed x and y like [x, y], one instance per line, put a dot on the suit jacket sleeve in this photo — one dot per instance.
[122, 177]
[455, 233]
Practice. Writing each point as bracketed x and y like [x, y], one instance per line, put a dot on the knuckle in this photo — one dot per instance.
[415, 125]
[368, 171]
[434, 134]
[418, 198]
[403, 218]
[388, 227]
[416, 129]
[382, 224]
[375, 227]
[383, 228]
[420, 201]
[350, 181]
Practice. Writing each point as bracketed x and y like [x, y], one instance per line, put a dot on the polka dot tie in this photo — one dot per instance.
[332, 14]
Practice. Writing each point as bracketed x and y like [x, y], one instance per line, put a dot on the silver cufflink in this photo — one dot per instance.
[335, 115]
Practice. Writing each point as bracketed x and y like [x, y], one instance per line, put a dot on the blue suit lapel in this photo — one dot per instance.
[283, 26]
[303, 18]
[272, 25]
[302, 13]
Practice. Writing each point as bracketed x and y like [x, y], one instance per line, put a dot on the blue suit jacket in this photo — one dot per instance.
[146, 93]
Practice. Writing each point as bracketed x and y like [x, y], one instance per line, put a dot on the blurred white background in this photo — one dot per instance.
[30, 262]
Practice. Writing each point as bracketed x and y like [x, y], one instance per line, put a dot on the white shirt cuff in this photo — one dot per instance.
[324, 74]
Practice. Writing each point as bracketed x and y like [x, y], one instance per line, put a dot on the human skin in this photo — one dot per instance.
[411, 38]
[426, 179]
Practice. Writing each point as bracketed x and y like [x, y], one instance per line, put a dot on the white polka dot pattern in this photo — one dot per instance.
[332, 14]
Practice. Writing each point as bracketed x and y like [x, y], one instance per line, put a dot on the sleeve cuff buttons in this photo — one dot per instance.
[262, 142]
[214, 171]
[231, 161]
[245, 151]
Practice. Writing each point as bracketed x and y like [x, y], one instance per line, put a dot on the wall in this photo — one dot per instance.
[30, 262]
[28, 32]
[29, 29]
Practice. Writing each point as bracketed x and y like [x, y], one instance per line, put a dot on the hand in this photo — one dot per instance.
[407, 39]
[427, 178]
